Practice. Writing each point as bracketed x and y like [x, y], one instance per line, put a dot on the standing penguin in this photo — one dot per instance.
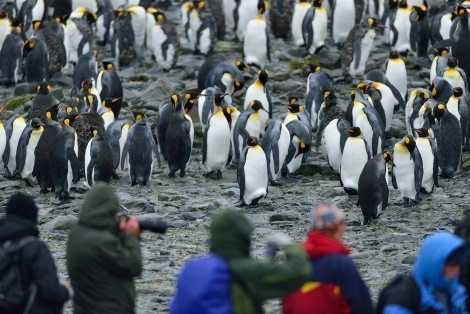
[300, 142]
[455, 75]
[419, 31]
[439, 62]
[316, 82]
[202, 32]
[333, 138]
[460, 47]
[117, 135]
[315, 27]
[99, 159]
[139, 149]
[11, 58]
[178, 138]
[372, 129]
[280, 14]
[25, 150]
[79, 33]
[355, 156]
[448, 140]
[357, 48]
[428, 149]
[245, 12]
[55, 46]
[400, 29]
[275, 145]
[85, 69]
[216, 142]
[165, 41]
[14, 128]
[108, 85]
[41, 102]
[407, 174]
[395, 71]
[138, 16]
[123, 41]
[252, 174]
[259, 91]
[344, 16]
[36, 68]
[416, 100]
[458, 106]
[256, 50]
[441, 89]
[300, 9]
[372, 186]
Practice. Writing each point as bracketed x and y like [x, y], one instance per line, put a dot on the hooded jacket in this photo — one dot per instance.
[102, 262]
[334, 286]
[37, 265]
[230, 238]
[427, 273]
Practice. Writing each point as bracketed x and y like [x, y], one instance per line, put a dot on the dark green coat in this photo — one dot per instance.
[101, 262]
[230, 238]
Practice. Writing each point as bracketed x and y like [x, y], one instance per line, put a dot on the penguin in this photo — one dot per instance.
[25, 150]
[14, 128]
[108, 115]
[372, 188]
[294, 108]
[280, 13]
[99, 160]
[202, 31]
[138, 16]
[79, 33]
[416, 100]
[3, 139]
[117, 135]
[206, 105]
[139, 149]
[400, 29]
[380, 77]
[248, 124]
[357, 102]
[91, 97]
[36, 67]
[428, 149]
[355, 156]
[300, 9]
[357, 48]
[300, 142]
[108, 85]
[256, 49]
[245, 12]
[343, 21]
[229, 8]
[123, 40]
[252, 173]
[395, 71]
[390, 10]
[5, 26]
[63, 160]
[419, 31]
[329, 111]
[333, 139]
[314, 27]
[105, 17]
[460, 47]
[41, 103]
[439, 62]
[259, 91]
[448, 140]
[407, 174]
[43, 149]
[55, 47]
[85, 69]
[458, 106]
[11, 58]
[441, 90]
[386, 102]
[275, 145]
[165, 42]
[316, 81]
[372, 130]
[178, 138]
[441, 23]
[216, 141]
[455, 75]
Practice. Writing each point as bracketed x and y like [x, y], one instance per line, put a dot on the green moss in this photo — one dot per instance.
[14, 102]
[300, 64]
[139, 78]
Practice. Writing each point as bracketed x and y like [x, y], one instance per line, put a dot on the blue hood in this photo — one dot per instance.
[432, 256]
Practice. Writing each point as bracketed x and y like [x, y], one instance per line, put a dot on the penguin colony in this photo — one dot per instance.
[89, 139]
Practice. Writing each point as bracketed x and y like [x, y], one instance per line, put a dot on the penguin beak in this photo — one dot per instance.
[391, 162]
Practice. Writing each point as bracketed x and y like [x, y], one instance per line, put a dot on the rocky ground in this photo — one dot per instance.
[387, 246]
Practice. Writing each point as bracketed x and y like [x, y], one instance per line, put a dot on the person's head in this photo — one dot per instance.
[328, 219]
[100, 207]
[22, 205]
[230, 234]
[440, 258]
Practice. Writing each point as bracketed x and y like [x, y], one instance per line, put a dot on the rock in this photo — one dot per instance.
[60, 223]
[285, 216]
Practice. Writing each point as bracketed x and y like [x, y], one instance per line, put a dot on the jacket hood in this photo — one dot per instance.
[230, 234]
[100, 207]
[433, 253]
[12, 227]
[318, 244]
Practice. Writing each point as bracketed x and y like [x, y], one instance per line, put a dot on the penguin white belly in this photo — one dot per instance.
[229, 6]
[343, 20]
[455, 79]
[4, 30]
[331, 147]
[402, 25]
[367, 131]
[108, 118]
[29, 159]
[296, 26]
[228, 81]
[205, 42]
[446, 25]
[453, 107]
[352, 162]
[355, 110]
[283, 146]
[255, 43]
[256, 93]
[253, 124]
[194, 24]
[3, 139]
[388, 104]
[404, 173]
[415, 2]
[396, 74]
[148, 31]
[295, 163]
[366, 46]
[158, 38]
[87, 162]
[18, 127]
[191, 128]
[75, 36]
[256, 175]
[428, 163]
[247, 10]
[218, 143]
[139, 24]
[37, 11]
[320, 29]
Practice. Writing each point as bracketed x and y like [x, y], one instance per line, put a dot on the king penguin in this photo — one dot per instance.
[439, 62]
[333, 139]
[428, 150]
[458, 106]
[86, 69]
[300, 9]
[400, 29]
[138, 20]
[36, 68]
[275, 145]
[300, 142]
[280, 13]
[259, 91]
[252, 174]
[407, 174]
[15, 126]
[11, 58]
[455, 75]
[256, 49]
[117, 135]
[41, 102]
[108, 85]
[316, 81]
[372, 186]
[165, 41]
[343, 20]
[315, 27]
[395, 71]
[245, 12]
[99, 159]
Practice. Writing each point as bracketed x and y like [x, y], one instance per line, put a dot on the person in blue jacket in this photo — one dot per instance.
[435, 274]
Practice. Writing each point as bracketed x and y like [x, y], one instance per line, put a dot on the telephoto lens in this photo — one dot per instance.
[153, 224]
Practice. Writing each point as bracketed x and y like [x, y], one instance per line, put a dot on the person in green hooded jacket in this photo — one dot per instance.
[261, 280]
[103, 256]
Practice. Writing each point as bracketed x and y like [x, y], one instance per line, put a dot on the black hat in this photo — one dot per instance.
[22, 205]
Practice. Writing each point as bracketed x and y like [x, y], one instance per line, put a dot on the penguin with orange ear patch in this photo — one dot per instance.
[36, 67]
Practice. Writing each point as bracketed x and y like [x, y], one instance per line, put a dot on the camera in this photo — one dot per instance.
[154, 224]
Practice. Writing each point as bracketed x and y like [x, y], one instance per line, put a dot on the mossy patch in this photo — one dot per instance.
[139, 78]
[14, 102]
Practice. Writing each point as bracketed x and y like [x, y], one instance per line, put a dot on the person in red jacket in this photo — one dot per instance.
[335, 285]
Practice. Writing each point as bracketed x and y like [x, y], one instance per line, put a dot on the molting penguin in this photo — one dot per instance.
[315, 27]
[372, 186]
[448, 140]
[428, 149]
[55, 47]
[165, 42]
[139, 149]
[252, 174]
[407, 174]
[256, 50]
[108, 85]
[42, 102]
[259, 91]
[36, 68]
[355, 156]
[99, 160]
[300, 9]
[280, 14]
[25, 150]
[275, 145]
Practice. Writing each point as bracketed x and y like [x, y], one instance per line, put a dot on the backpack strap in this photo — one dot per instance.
[258, 305]
[407, 294]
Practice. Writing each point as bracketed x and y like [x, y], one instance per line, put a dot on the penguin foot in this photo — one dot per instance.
[182, 173]
[213, 175]
[219, 174]
[115, 176]
[30, 181]
[409, 202]
[350, 191]
[276, 183]
[56, 201]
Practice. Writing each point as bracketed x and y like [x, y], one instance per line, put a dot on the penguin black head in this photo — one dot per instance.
[159, 16]
[421, 12]
[393, 54]
[403, 4]
[312, 68]
[3, 14]
[409, 142]
[452, 62]
[317, 3]
[294, 108]
[256, 105]
[439, 111]
[241, 66]
[423, 132]
[457, 91]
[176, 103]
[107, 65]
[71, 109]
[388, 158]
[138, 115]
[373, 23]
[362, 86]
[252, 141]
[36, 123]
[262, 6]
[392, 4]
[303, 148]
[440, 51]
[53, 111]
[97, 131]
[461, 11]
[189, 97]
[292, 99]
[43, 88]
[71, 118]
[29, 45]
[86, 84]
[218, 97]
[354, 131]
[263, 76]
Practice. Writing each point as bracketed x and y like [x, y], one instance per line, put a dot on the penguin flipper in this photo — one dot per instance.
[270, 104]
[21, 150]
[268, 47]
[154, 149]
[204, 145]
[394, 181]
[307, 28]
[275, 150]
[435, 166]
[72, 157]
[356, 45]
[394, 31]
[241, 172]
[89, 172]
[124, 152]
[418, 171]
